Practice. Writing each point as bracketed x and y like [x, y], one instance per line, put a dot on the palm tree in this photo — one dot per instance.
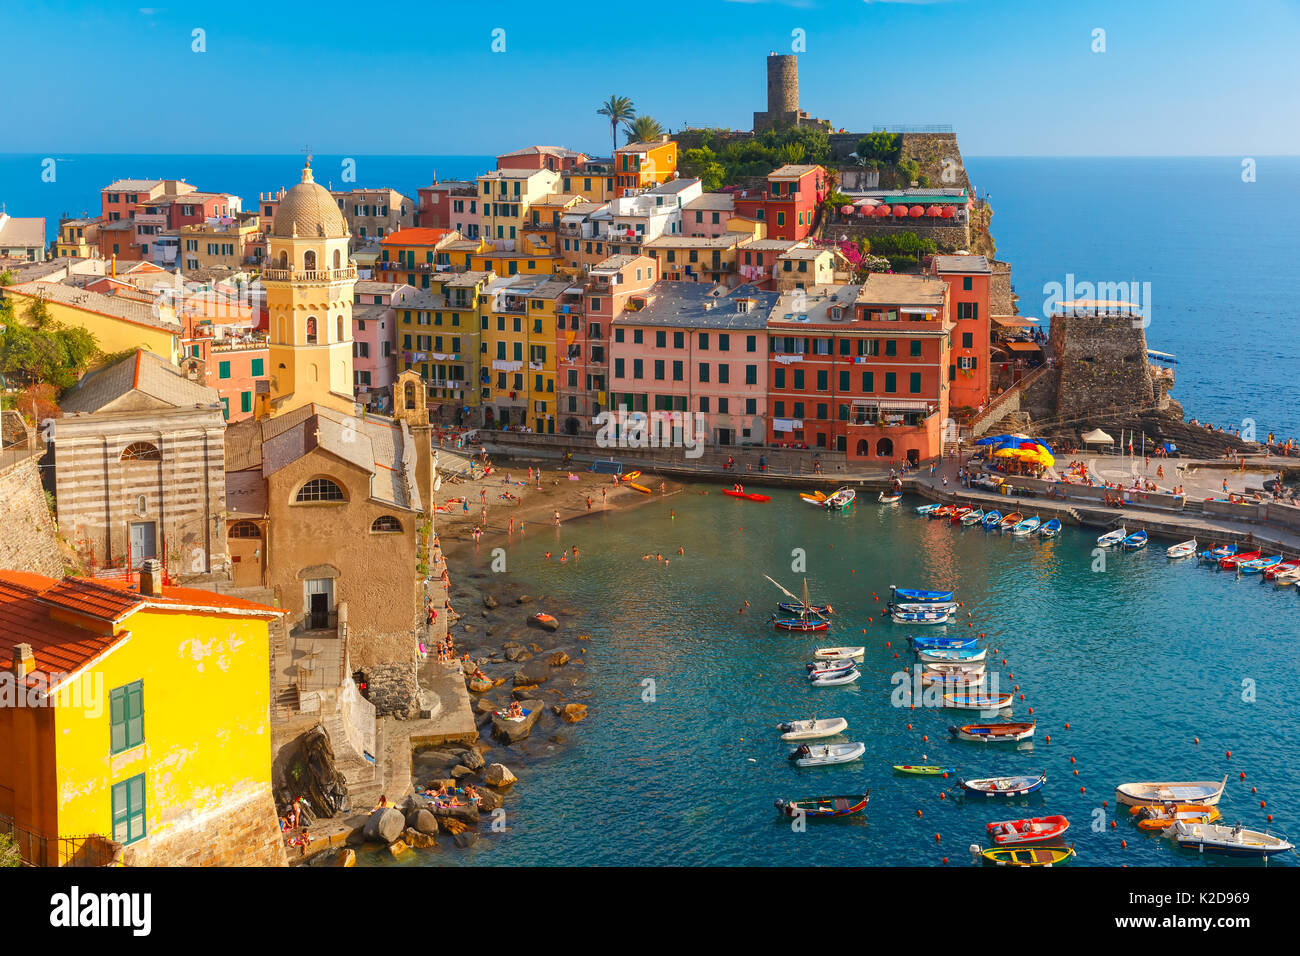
[643, 129]
[619, 109]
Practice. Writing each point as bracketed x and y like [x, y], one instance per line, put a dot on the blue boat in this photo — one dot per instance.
[942, 643]
[906, 595]
[920, 617]
[926, 509]
[1259, 565]
[1214, 554]
[1134, 542]
[1051, 528]
[992, 520]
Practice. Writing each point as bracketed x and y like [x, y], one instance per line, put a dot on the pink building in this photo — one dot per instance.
[696, 349]
[374, 340]
[707, 215]
[449, 205]
[558, 159]
[232, 362]
[582, 330]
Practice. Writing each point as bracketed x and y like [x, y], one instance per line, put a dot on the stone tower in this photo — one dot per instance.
[409, 406]
[1102, 355]
[782, 84]
[309, 280]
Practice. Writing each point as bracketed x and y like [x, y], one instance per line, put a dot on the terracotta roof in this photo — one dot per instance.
[59, 647]
[414, 236]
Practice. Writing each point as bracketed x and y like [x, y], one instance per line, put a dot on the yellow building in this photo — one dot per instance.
[118, 323]
[505, 196]
[518, 351]
[309, 280]
[438, 337]
[232, 245]
[525, 259]
[592, 180]
[642, 165]
[412, 255]
[78, 238]
[137, 723]
[699, 258]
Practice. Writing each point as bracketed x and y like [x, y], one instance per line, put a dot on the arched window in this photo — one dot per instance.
[338, 259]
[244, 529]
[311, 330]
[884, 448]
[309, 261]
[141, 451]
[863, 448]
[284, 260]
[338, 321]
[320, 489]
[386, 524]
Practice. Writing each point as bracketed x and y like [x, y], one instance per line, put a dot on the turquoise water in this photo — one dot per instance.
[1139, 659]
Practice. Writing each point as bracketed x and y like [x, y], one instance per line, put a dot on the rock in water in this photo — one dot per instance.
[472, 759]
[422, 821]
[398, 848]
[346, 857]
[558, 659]
[512, 650]
[421, 841]
[514, 730]
[489, 601]
[572, 713]
[489, 800]
[466, 839]
[384, 825]
[498, 775]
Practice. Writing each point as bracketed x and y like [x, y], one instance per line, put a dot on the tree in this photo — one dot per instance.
[53, 355]
[643, 129]
[702, 164]
[38, 313]
[619, 109]
[880, 146]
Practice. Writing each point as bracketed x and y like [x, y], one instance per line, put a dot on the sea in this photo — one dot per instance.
[1136, 668]
[1209, 244]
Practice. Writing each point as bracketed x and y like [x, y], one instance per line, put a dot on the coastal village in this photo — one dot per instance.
[247, 441]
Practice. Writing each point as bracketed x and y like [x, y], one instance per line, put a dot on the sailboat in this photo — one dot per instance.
[807, 617]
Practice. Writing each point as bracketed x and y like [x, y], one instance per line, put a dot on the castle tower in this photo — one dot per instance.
[782, 84]
[309, 280]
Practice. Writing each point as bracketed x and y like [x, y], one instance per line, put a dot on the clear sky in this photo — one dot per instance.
[1014, 77]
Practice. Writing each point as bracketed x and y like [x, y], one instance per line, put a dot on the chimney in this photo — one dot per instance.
[24, 662]
[151, 578]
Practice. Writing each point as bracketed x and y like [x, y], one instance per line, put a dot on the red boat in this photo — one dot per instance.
[800, 624]
[1275, 570]
[1232, 560]
[746, 494]
[941, 512]
[957, 514]
[1032, 830]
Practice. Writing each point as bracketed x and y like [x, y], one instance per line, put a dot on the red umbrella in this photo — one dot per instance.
[946, 212]
[932, 211]
[916, 212]
[882, 210]
[866, 210]
[900, 210]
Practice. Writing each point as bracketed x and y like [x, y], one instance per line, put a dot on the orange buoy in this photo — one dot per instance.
[981, 633]
[1262, 804]
[926, 738]
[1196, 740]
[1083, 789]
[1049, 738]
[888, 643]
[918, 813]
[1105, 803]
[1270, 818]
[945, 775]
[1252, 790]
[942, 795]
[1123, 844]
[1229, 754]
[895, 654]
[909, 726]
[1067, 726]
[1076, 773]
[945, 861]
[1071, 760]
[1004, 662]
[1243, 775]
[852, 571]
[1022, 697]
[936, 838]
[1112, 824]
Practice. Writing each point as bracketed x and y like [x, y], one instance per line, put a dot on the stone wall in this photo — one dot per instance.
[245, 833]
[1103, 362]
[949, 238]
[393, 689]
[28, 535]
[1002, 299]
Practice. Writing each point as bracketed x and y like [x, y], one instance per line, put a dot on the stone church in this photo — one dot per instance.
[325, 507]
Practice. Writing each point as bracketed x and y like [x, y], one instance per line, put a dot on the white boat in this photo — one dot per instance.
[1028, 526]
[890, 498]
[835, 678]
[920, 617]
[971, 680]
[1112, 538]
[1287, 578]
[937, 607]
[1204, 792]
[843, 498]
[829, 668]
[831, 653]
[1233, 841]
[812, 729]
[1183, 549]
[973, 517]
[954, 667]
[947, 655]
[823, 755]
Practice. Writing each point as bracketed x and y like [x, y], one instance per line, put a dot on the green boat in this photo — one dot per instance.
[924, 771]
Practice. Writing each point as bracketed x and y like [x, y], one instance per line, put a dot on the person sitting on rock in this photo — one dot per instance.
[471, 794]
[515, 710]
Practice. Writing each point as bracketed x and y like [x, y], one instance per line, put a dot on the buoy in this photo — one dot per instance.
[1123, 844]
[852, 571]
[1112, 824]
[909, 726]
[1262, 804]
[1071, 760]
[936, 838]
[1083, 789]
[945, 861]
[887, 643]
[1004, 662]
[1105, 803]
[918, 813]
[945, 775]
[1229, 754]
[895, 654]
[1243, 775]
[1076, 773]
[926, 738]
[870, 620]
[1270, 818]
[970, 623]
[1252, 790]
[1049, 738]
[1067, 726]
[981, 633]
[1196, 740]
[1022, 697]
[942, 795]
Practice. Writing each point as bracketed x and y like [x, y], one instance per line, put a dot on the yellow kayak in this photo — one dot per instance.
[816, 496]
[631, 476]
[641, 488]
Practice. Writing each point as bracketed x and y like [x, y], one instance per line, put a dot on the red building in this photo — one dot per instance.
[555, 158]
[790, 203]
[968, 279]
[861, 369]
[448, 205]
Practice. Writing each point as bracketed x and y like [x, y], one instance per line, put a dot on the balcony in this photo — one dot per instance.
[315, 276]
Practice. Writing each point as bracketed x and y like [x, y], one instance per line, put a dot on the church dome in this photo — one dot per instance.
[308, 210]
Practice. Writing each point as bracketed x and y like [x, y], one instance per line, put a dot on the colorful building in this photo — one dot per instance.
[231, 362]
[451, 204]
[557, 159]
[641, 165]
[968, 279]
[694, 349]
[505, 196]
[794, 195]
[220, 243]
[439, 338]
[374, 213]
[712, 259]
[22, 238]
[411, 255]
[118, 323]
[861, 369]
[593, 180]
[802, 266]
[78, 238]
[518, 351]
[147, 735]
[374, 340]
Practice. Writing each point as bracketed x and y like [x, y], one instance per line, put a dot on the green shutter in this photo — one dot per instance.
[128, 805]
[259, 367]
[126, 717]
[117, 719]
[224, 370]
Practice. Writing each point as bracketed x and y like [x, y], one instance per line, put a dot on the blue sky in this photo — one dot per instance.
[1014, 77]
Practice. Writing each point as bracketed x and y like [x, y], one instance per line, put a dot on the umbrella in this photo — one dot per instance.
[1097, 437]
[846, 210]
[916, 212]
[933, 211]
[947, 212]
[882, 210]
[900, 210]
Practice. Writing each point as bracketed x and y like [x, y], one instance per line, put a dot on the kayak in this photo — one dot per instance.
[631, 476]
[924, 771]
[641, 488]
[746, 494]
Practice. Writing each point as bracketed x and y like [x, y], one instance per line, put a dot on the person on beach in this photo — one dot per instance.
[588, 502]
[575, 552]
[510, 525]
[604, 497]
[681, 550]
[557, 518]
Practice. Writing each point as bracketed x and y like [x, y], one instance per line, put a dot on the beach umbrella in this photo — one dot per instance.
[932, 211]
[846, 210]
[867, 211]
[882, 210]
[900, 210]
[947, 212]
[916, 212]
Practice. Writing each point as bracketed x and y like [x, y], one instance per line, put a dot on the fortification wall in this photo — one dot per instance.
[28, 535]
[1103, 362]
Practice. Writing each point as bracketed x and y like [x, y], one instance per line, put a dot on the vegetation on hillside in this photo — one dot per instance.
[643, 129]
[40, 351]
[719, 162]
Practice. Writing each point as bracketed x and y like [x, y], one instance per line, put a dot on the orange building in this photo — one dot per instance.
[642, 165]
[968, 279]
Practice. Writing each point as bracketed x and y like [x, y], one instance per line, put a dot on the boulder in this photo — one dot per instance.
[458, 771]
[498, 775]
[558, 659]
[572, 713]
[345, 857]
[534, 647]
[584, 637]
[398, 848]
[418, 840]
[512, 650]
[384, 825]
[489, 800]
[489, 601]
[485, 706]
[421, 821]
[472, 759]
[523, 599]
[466, 839]
[480, 685]
[454, 826]
[529, 677]
[512, 731]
